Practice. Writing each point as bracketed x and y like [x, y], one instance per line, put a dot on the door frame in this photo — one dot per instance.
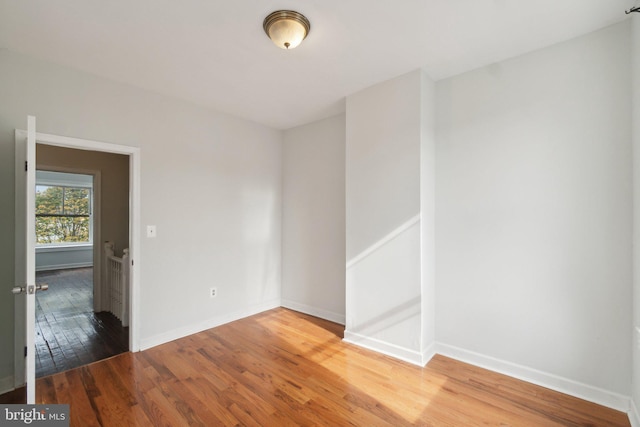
[134, 230]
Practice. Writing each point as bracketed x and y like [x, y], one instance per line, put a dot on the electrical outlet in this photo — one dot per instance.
[213, 292]
[638, 337]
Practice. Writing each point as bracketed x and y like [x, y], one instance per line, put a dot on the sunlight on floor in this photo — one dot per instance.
[405, 389]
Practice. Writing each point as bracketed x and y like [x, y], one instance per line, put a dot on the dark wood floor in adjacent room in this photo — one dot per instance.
[282, 368]
[68, 333]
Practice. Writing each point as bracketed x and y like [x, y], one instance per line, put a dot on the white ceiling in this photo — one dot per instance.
[215, 53]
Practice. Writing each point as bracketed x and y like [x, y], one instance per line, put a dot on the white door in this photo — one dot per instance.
[25, 275]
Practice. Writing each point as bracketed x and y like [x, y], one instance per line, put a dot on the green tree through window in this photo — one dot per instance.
[63, 214]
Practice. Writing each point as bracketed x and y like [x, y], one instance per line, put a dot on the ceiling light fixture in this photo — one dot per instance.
[286, 28]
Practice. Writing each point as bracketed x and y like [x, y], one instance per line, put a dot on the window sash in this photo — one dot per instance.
[61, 208]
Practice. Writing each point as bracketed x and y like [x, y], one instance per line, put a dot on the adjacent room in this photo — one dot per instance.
[80, 196]
[325, 213]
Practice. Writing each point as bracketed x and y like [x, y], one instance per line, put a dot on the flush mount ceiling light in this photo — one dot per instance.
[286, 28]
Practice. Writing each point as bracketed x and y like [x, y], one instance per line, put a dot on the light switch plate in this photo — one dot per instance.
[151, 231]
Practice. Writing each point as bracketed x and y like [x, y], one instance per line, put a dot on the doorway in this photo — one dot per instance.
[71, 330]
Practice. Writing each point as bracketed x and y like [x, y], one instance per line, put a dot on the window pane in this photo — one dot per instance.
[53, 204]
[62, 229]
[48, 199]
[76, 201]
[62, 200]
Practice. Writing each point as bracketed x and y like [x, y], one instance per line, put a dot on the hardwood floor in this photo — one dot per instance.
[283, 368]
[68, 333]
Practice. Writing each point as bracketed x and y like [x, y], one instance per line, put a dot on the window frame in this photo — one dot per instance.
[65, 184]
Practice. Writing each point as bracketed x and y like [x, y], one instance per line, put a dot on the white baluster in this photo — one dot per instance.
[105, 294]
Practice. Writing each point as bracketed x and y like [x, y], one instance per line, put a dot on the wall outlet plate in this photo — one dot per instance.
[213, 292]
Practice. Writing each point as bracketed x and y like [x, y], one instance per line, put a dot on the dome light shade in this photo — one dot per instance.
[286, 28]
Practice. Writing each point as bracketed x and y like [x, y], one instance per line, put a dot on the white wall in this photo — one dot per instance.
[428, 214]
[211, 184]
[383, 233]
[61, 257]
[382, 160]
[313, 242]
[635, 72]
[533, 211]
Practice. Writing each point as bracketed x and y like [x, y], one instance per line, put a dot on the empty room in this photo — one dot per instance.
[329, 213]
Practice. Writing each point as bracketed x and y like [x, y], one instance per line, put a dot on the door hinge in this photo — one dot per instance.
[25, 351]
[26, 166]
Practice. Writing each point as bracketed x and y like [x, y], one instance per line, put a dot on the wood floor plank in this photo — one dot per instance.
[47, 392]
[230, 391]
[115, 401]
[70, 390]
[194, 408]
[213, 399]
[160, 410]
[220, 391]
[283, 368]
[523, 397]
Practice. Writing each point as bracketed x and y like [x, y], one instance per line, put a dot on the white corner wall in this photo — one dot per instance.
[635, 73]
[534, 216]
[428, 215]
[313, 242]
[211, 183]
[383, 223]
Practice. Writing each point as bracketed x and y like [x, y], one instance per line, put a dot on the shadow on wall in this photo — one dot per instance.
[384, 299]
[388, 319]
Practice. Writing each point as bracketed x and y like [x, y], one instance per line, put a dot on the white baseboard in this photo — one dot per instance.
[428, 353]
[6, 384]
[174, 334]
[634, 415]
[408, 355]
[314, 311]
[544, 379]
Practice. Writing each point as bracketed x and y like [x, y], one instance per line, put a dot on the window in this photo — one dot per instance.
[63, 214]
